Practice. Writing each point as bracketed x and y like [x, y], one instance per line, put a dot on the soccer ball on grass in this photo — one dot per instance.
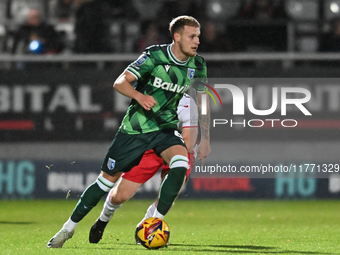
[153, 233]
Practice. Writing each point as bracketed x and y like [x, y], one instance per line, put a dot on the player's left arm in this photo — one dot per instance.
[203, 149]
[204, 120]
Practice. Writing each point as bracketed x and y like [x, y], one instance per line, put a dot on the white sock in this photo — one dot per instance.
[157, 214]
[70, 225]
[108, 210]
[149, 213]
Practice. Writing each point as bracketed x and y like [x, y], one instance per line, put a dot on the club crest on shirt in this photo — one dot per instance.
[142, 58]
[191, 73]
[111, 163]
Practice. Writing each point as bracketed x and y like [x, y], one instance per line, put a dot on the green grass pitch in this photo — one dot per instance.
[196, 226]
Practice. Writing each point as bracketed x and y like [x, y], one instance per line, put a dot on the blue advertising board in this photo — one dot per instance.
[43, 179]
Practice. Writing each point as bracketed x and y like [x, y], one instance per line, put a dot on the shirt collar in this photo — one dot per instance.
[174, 59]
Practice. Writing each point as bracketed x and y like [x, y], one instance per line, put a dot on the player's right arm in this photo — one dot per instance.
[123, 86]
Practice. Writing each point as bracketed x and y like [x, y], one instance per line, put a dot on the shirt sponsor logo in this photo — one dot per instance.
[158, 83]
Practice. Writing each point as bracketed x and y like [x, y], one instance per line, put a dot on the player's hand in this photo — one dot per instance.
[146, 101]
[203, 150]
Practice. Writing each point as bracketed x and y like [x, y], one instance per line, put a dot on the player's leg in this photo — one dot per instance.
[114, 163]
[89, 199]
[189, 134]
[165, 170]
[171, 185]
[124, 190]
[176, 157]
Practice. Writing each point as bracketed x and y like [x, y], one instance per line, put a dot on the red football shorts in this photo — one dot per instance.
[149, 166]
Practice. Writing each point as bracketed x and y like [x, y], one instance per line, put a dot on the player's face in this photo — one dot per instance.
[189, 41]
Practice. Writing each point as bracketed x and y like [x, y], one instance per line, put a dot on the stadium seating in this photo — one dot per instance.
[308, 20]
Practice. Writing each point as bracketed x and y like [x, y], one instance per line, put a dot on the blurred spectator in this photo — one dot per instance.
[36, 36]
[150, 35]
[330, 42]
[92, 27]
[63, 9]
[262, 10]
[259, 32]
[175, 8]
[122, 9]
[212, 41]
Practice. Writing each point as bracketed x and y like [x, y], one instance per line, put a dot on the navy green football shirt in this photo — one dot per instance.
[165, 78]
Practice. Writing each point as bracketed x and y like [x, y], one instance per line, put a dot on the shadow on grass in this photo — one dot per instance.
[17, 222]
[244, 249]
[250, 247]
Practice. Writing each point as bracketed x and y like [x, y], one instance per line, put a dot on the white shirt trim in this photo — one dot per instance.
[173, 57]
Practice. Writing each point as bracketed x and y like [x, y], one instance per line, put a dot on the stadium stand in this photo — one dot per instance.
[307, 21]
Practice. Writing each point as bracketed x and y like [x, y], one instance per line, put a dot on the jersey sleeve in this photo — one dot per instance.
[188, 114]
[143, 65]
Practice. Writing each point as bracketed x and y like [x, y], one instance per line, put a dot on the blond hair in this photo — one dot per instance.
[177, 24]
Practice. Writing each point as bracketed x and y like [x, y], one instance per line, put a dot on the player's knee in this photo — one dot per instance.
[178, 168]
[119, 198]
